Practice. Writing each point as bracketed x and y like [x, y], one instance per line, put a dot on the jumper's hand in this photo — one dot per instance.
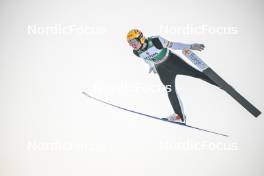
[197, 46]
[152, 69]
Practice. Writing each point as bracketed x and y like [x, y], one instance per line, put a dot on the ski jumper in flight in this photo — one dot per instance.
[155, 51]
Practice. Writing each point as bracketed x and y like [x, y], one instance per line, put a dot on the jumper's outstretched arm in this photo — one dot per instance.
[180, 46]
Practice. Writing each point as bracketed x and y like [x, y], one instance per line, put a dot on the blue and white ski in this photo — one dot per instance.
[151, 116]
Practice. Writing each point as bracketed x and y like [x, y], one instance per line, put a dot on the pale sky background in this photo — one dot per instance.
[47, 127]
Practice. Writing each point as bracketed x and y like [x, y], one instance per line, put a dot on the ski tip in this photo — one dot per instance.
[84, 93]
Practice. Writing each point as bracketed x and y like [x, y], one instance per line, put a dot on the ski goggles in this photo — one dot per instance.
[134, 43]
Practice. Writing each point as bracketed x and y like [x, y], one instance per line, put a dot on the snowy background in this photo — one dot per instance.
[51, 51]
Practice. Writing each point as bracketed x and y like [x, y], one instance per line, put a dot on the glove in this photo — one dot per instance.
[151, 66]
[152, 69]
[197, 46]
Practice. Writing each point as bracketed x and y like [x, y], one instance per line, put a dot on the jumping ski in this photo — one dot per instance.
[153, 117]
[220, 82]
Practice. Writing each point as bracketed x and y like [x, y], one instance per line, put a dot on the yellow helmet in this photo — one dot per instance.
[135, 34]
